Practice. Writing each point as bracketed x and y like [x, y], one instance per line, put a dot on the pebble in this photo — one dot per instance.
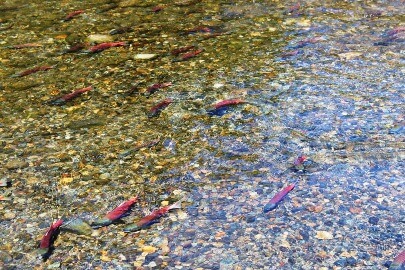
[9, 215]
[298, 209]
[105, 176]
[16, 164]
[227, 264]
[315, 208]
[355, 210]
[187, 244]
[55, 265]
[137, 264]
[98, 38]
[5, 257]
[342, 208]
[181, 215]
[66, 180]
[105, 258]
[364, 256]
[164, 203]
[324, 235]
[351, 261]
[217, 85]
[304, 234]
[260, 236]
[342, 221]
[192, 211]
[220, 215]
[145, 56]
[328, 223]
[250, 219]
[341, 262]
[382, 207]
[150, 257]
[387, 264]
[349, 55]
[373, 220]
[3, 182]
[148, 249]
[164, 246]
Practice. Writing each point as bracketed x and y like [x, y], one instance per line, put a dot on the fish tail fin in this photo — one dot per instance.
[177, 205]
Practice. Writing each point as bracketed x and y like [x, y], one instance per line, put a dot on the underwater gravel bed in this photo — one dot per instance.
[320, 80]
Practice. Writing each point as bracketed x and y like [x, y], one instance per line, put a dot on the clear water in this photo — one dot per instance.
[337, 99]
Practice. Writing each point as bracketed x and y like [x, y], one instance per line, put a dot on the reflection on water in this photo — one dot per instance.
[324, 80]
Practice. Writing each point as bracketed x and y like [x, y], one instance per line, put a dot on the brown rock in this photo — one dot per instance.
[324, 235]
[16, 164]
[355, 210]
[315, 208]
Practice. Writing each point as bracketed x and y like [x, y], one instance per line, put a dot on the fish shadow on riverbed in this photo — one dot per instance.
[48, 254]
[219, 111]
[51, 248]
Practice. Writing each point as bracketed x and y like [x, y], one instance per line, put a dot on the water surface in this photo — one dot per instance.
[320, 80]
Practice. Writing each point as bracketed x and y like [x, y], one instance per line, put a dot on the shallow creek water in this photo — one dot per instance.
[323, 79]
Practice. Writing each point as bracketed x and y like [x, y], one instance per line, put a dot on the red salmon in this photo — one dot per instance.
[155, 110]
[103, 46]
[48, 238]
[32, 70]
[272, 204]
[119, 212]
[151, 218]
[73, 14]
[65, 98]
